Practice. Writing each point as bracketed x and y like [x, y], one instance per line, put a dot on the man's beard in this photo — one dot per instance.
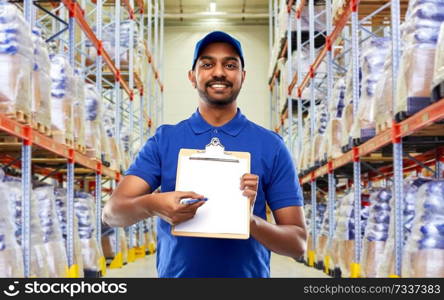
[217, 102]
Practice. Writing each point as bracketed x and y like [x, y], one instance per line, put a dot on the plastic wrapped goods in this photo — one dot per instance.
[125, 138]
[15, 61]
[376, 232]
[411, 186]
[63, 93]
[85, 212]
[319, 151]
[39, 264]
[93, 117]
[52, 234]
[108, 38]
[61, 209]
[382, 105]
[373, 58]
[421, 31]
[323, 239]
[424, 250]
[345, 233]
[438, 73]
[11, 256]
[41, 82]
[78, 110]
[110, 126]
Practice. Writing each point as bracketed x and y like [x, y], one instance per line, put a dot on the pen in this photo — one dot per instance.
[191, 200]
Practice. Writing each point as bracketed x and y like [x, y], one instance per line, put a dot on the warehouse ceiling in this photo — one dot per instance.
[235, 12]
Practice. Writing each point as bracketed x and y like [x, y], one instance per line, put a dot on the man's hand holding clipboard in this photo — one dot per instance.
[170, 208]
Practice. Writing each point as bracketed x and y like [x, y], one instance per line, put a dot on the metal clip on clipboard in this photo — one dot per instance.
[214, 151]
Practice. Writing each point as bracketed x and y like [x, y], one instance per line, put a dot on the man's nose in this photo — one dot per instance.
[219, 70]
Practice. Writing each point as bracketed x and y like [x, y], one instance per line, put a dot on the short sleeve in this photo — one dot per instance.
[147, 163]
[283, 189]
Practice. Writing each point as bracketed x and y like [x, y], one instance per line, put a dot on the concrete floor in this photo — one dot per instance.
[281, 266]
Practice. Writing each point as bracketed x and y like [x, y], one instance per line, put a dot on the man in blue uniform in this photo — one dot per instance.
[217, 73]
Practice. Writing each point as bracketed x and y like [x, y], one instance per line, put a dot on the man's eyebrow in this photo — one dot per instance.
[225, 58]
[231, 58]
[206, 57]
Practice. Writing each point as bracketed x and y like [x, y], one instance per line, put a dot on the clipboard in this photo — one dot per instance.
[216, 174]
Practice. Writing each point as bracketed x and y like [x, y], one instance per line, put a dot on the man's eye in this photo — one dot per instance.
[231, 66]
[206, 65]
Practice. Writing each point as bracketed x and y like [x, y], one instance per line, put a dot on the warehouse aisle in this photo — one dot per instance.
[281, 266]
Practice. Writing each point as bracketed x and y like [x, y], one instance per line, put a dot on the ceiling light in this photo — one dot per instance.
[212, 6]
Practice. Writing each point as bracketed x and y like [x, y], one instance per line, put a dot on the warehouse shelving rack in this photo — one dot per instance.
[392, 143]
[41, 154]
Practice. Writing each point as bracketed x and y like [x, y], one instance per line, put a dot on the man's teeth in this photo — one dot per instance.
[218, 85]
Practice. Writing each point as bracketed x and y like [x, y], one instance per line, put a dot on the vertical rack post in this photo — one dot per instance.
[26, 173]
[156, 58]
[118, 259]
[27, 9]
[355, 267]
[73, 268]
[270, 51]
[149, 75]
[299, 79]
[289, 79]
[26, 204]
[396, 140]
[98, 196]
[73, 272]
[160, 57]
[118, 78]
[312, 129]
[131, 233]
[331, 178]
[331, 214]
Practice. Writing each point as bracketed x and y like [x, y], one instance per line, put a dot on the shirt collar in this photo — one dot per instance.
[233, 127]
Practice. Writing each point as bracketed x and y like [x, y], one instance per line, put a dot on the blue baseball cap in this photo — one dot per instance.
[217, 37]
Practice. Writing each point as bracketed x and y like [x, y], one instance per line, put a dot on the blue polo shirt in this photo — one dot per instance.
[156, 163]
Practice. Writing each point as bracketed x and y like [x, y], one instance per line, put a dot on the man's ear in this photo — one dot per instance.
[243, 75]
[192, 78]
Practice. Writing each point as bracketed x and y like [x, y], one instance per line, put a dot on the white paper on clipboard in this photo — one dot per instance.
[215, 174]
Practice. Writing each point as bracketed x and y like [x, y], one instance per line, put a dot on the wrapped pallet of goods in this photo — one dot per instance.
[411, 185]
[125, 138]
[332, 249]
[347, 114]
[63, 94]
[372, 66]
[106, 242]
[78, 113]
[304, 163]
[61, 209]
[110, 131]
[41, 85]
[52, 234]
[438, 73]
[109, 42]
[16, 63]
[319, 149]
[376, 232]
[320, 210]
[334, 128]
[92, 121]
[383, 105]
[344, 234]
[38, 259]
[424, 249]
[420, 36]
[11, 255]
[323, 240]
[91, 252]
